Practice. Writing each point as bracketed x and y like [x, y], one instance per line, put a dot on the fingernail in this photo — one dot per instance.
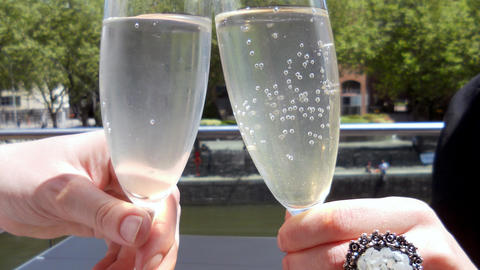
[154, 262]
[130, 227]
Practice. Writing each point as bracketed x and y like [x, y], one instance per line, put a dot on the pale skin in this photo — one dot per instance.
[66, 186]
[319, 238]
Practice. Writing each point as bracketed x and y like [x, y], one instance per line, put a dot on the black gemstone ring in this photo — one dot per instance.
[382, 251]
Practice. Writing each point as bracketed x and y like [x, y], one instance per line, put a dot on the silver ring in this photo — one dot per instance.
[382, 251]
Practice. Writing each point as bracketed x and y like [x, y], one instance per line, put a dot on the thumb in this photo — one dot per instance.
[109, 217]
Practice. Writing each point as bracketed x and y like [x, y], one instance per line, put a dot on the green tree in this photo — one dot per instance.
[422, 51]
[80, 37]
[15, 48]
[215, 78]
[45, 75]
[52, 47]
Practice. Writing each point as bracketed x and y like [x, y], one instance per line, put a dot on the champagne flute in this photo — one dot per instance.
[154, 63]
[281, 72]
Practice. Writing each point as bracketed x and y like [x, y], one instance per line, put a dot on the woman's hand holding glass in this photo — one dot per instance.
[66, 186]
[320, 237]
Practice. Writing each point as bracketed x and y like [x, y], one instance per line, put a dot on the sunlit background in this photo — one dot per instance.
[400, 61]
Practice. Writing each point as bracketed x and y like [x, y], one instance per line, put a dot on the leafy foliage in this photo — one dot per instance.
[418, 50]
[52, 47]
[366, 118]
[422, 51]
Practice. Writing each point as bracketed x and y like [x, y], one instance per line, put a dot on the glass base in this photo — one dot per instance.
[296, 211]
[151, 204]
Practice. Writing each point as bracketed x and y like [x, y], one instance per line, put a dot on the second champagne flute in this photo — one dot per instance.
[281, 72]
[154, 63]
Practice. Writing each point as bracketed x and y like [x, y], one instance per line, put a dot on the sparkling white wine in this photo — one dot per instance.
[282, 79]
[153, 79]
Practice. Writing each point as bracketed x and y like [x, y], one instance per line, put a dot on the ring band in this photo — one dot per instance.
[382, 251]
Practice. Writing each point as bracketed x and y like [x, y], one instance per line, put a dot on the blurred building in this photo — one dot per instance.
[354, 87]
[354, 92]
[24, 108]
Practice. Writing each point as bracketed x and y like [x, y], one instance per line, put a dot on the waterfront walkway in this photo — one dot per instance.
[196, 252]
[339, 172]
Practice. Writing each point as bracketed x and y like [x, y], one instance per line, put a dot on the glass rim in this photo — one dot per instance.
[132, 8]
[222, 6]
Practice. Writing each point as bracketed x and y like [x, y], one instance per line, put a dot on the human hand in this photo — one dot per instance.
[159, 251]
[319, 238]
[66, 186]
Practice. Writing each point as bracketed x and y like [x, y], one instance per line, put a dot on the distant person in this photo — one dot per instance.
[198, 161]
[205, 148]
[44, 120]
[368, 167]
[66, 186]
[383, 167]
[455, 171]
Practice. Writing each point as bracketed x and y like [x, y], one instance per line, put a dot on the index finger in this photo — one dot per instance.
[345, 220]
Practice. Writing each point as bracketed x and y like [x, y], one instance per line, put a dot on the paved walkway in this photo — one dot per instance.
[196, 252]
[392, 170]
[389, 142]
[339, 171]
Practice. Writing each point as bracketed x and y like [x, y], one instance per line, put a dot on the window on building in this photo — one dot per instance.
[8, 101]
[351, 87]
[351, 97]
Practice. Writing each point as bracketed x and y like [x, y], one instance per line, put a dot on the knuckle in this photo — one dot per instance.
[419, 212]
[293, 261]
[62, 187]
[336, 255]
[338, 220]
[287, 237]
[423, 212]
[439, 258]
[103, 213]
[440, 250]
[53, 194]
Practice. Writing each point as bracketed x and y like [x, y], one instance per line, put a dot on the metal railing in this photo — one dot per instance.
[232, 132]
[406, 128]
